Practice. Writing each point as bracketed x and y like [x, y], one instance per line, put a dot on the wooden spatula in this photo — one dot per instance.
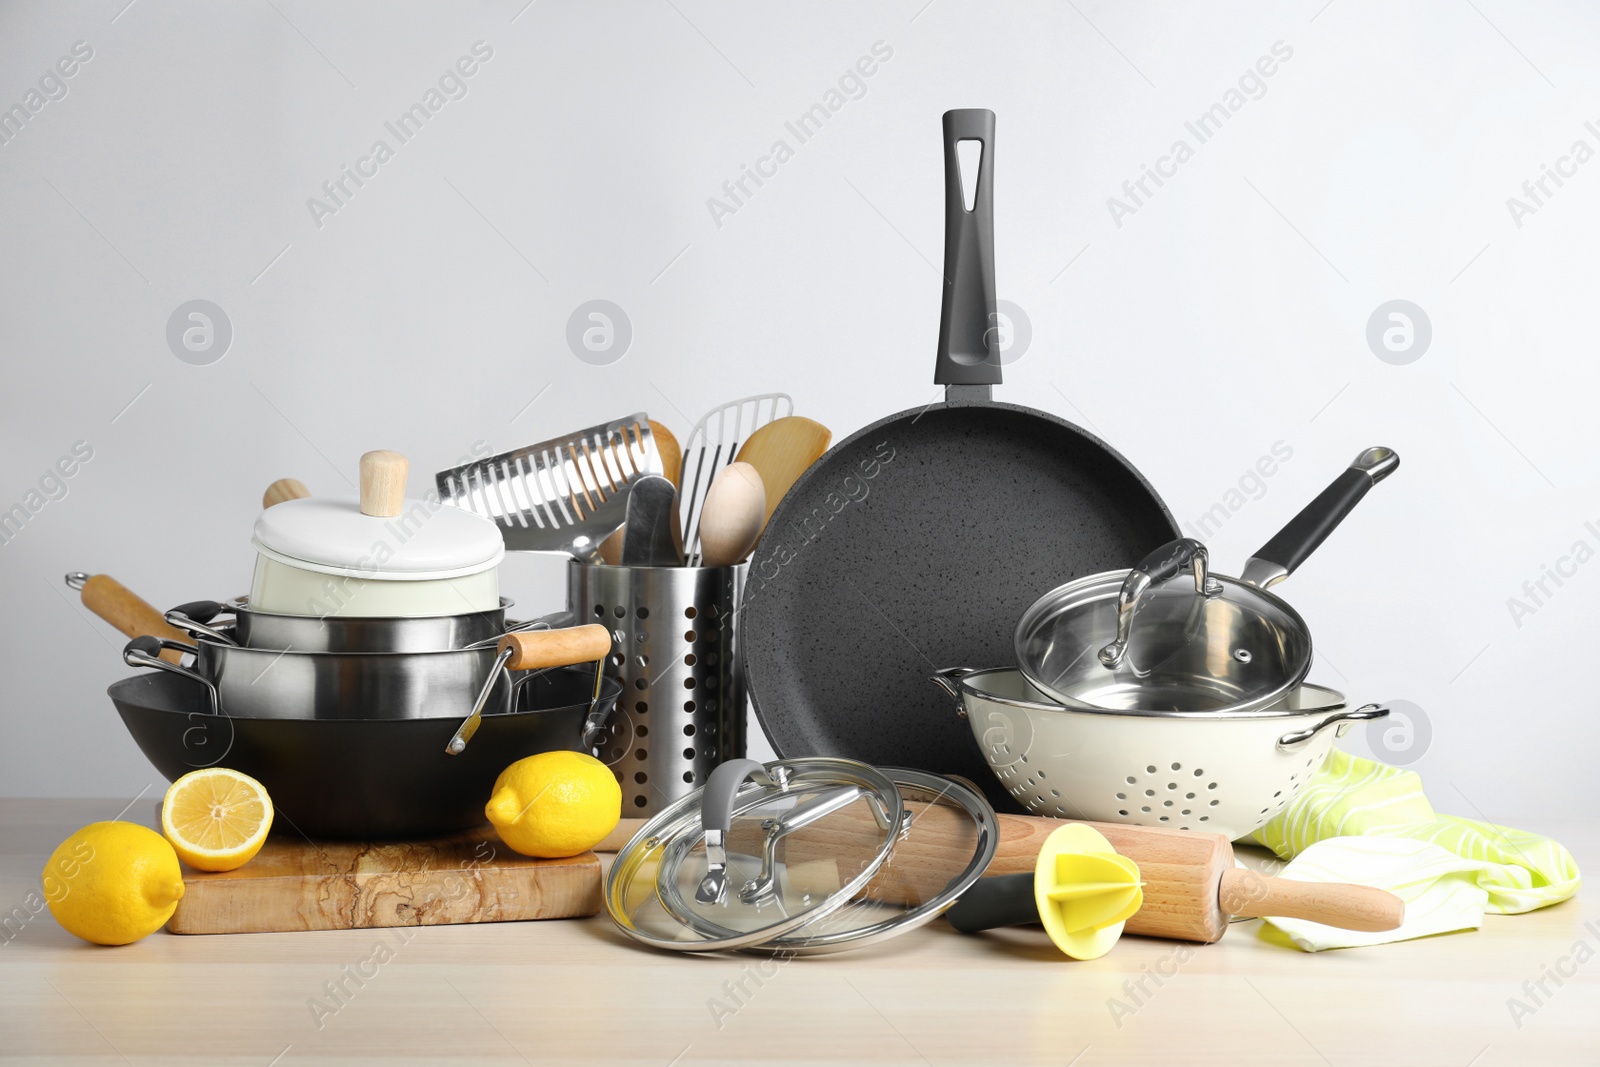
[672, 467]
[781, 451]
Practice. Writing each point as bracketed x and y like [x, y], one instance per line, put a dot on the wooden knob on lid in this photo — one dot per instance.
[284, 489]
[383, 483]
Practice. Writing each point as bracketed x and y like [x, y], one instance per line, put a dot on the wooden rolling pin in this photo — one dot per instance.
[1191, 886]
[125, 609]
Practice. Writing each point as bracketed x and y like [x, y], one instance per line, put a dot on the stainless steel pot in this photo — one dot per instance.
[259, 683]
[336, 633]
[270, 630]
[1138, 641]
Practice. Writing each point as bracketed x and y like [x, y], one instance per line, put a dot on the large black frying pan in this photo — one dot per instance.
[363, 779]
[917, 543]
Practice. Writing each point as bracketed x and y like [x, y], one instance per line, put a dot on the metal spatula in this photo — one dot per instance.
[712, 445]
[563, 495]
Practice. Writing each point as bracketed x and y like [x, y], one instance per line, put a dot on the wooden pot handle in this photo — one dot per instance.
[127, 611]
[284, 489]
[383, 483]
[1349, 907]
[533, 649]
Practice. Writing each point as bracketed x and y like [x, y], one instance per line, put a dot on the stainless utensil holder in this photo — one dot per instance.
[675, 653]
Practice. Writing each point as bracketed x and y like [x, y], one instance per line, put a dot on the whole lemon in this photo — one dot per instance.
[113, 882]
[555, 804]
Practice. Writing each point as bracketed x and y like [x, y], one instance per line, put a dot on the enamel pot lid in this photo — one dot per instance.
[798, 857]
[384, 535]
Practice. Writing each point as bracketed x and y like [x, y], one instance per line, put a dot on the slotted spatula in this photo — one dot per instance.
[712, 445]
[563, 495]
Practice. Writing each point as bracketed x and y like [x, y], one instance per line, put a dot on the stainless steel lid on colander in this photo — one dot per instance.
[1140, 641]
[795, 857]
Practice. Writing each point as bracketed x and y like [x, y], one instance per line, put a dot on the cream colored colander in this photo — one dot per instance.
[1213, 771]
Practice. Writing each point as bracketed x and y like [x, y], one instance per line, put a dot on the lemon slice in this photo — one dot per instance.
[216, 819]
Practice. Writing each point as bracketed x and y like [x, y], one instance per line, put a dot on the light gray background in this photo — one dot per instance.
[1229, 313]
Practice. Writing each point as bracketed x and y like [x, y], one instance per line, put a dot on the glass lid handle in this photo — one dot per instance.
[716, 818]
[1162, 565]
[799, 817]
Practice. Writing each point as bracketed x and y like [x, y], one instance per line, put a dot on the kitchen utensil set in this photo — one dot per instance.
[378, 693]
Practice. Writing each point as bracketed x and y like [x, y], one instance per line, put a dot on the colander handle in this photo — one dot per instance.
[1290, 741]
[949, 679]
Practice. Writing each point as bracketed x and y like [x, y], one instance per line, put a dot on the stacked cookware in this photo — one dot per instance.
[370, 680]
[1166, 694]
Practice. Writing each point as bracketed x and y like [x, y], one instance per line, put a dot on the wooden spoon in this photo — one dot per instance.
[672, 466]
[734, 512]
[781, 451]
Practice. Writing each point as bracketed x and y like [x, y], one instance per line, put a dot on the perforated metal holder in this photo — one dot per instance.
[675, 654]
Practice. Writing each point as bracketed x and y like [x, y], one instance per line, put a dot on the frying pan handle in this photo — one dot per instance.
[1278, 558]
[1162, 565]
[968, 317]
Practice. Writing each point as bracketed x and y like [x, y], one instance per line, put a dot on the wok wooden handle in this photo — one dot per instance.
[383, 483]
[284, 489]
[1349, 907]
[128, 612]
[533, 649]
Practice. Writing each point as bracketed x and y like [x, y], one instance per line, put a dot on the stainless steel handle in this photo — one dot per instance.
[1296, 738]
[1163, 564]
[799, 817]
[146, 652]
[196, 629]
[949, 679]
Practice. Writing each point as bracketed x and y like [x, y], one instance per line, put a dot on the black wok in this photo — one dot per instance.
[373, 779]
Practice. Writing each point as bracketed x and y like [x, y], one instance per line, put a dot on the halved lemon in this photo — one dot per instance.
[216, 819]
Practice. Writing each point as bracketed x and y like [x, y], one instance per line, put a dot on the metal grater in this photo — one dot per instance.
[563, 495]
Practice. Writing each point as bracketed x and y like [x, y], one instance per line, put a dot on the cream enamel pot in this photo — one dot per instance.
[384, 556]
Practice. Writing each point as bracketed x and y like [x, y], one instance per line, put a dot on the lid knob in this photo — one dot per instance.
[383, 483]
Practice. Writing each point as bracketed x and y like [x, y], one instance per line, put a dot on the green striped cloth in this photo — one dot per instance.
[1366, 822]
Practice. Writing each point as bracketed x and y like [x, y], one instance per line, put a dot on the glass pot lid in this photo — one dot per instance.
[1149, 640]
[713, 870]
[800, 856]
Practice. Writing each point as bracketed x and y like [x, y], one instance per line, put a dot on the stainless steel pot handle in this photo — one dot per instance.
[1165, 563]
[949, 679]
[146, 652]
[193, 618]
[1290, 741]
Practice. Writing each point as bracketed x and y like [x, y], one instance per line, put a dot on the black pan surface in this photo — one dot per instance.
[916, 544]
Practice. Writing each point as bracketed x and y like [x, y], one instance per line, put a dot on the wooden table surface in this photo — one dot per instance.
[575, 991]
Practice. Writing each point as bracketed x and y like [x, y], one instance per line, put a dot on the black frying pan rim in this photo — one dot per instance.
[821, 468]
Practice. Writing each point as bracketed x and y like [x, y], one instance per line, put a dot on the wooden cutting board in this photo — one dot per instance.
[294, 884]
